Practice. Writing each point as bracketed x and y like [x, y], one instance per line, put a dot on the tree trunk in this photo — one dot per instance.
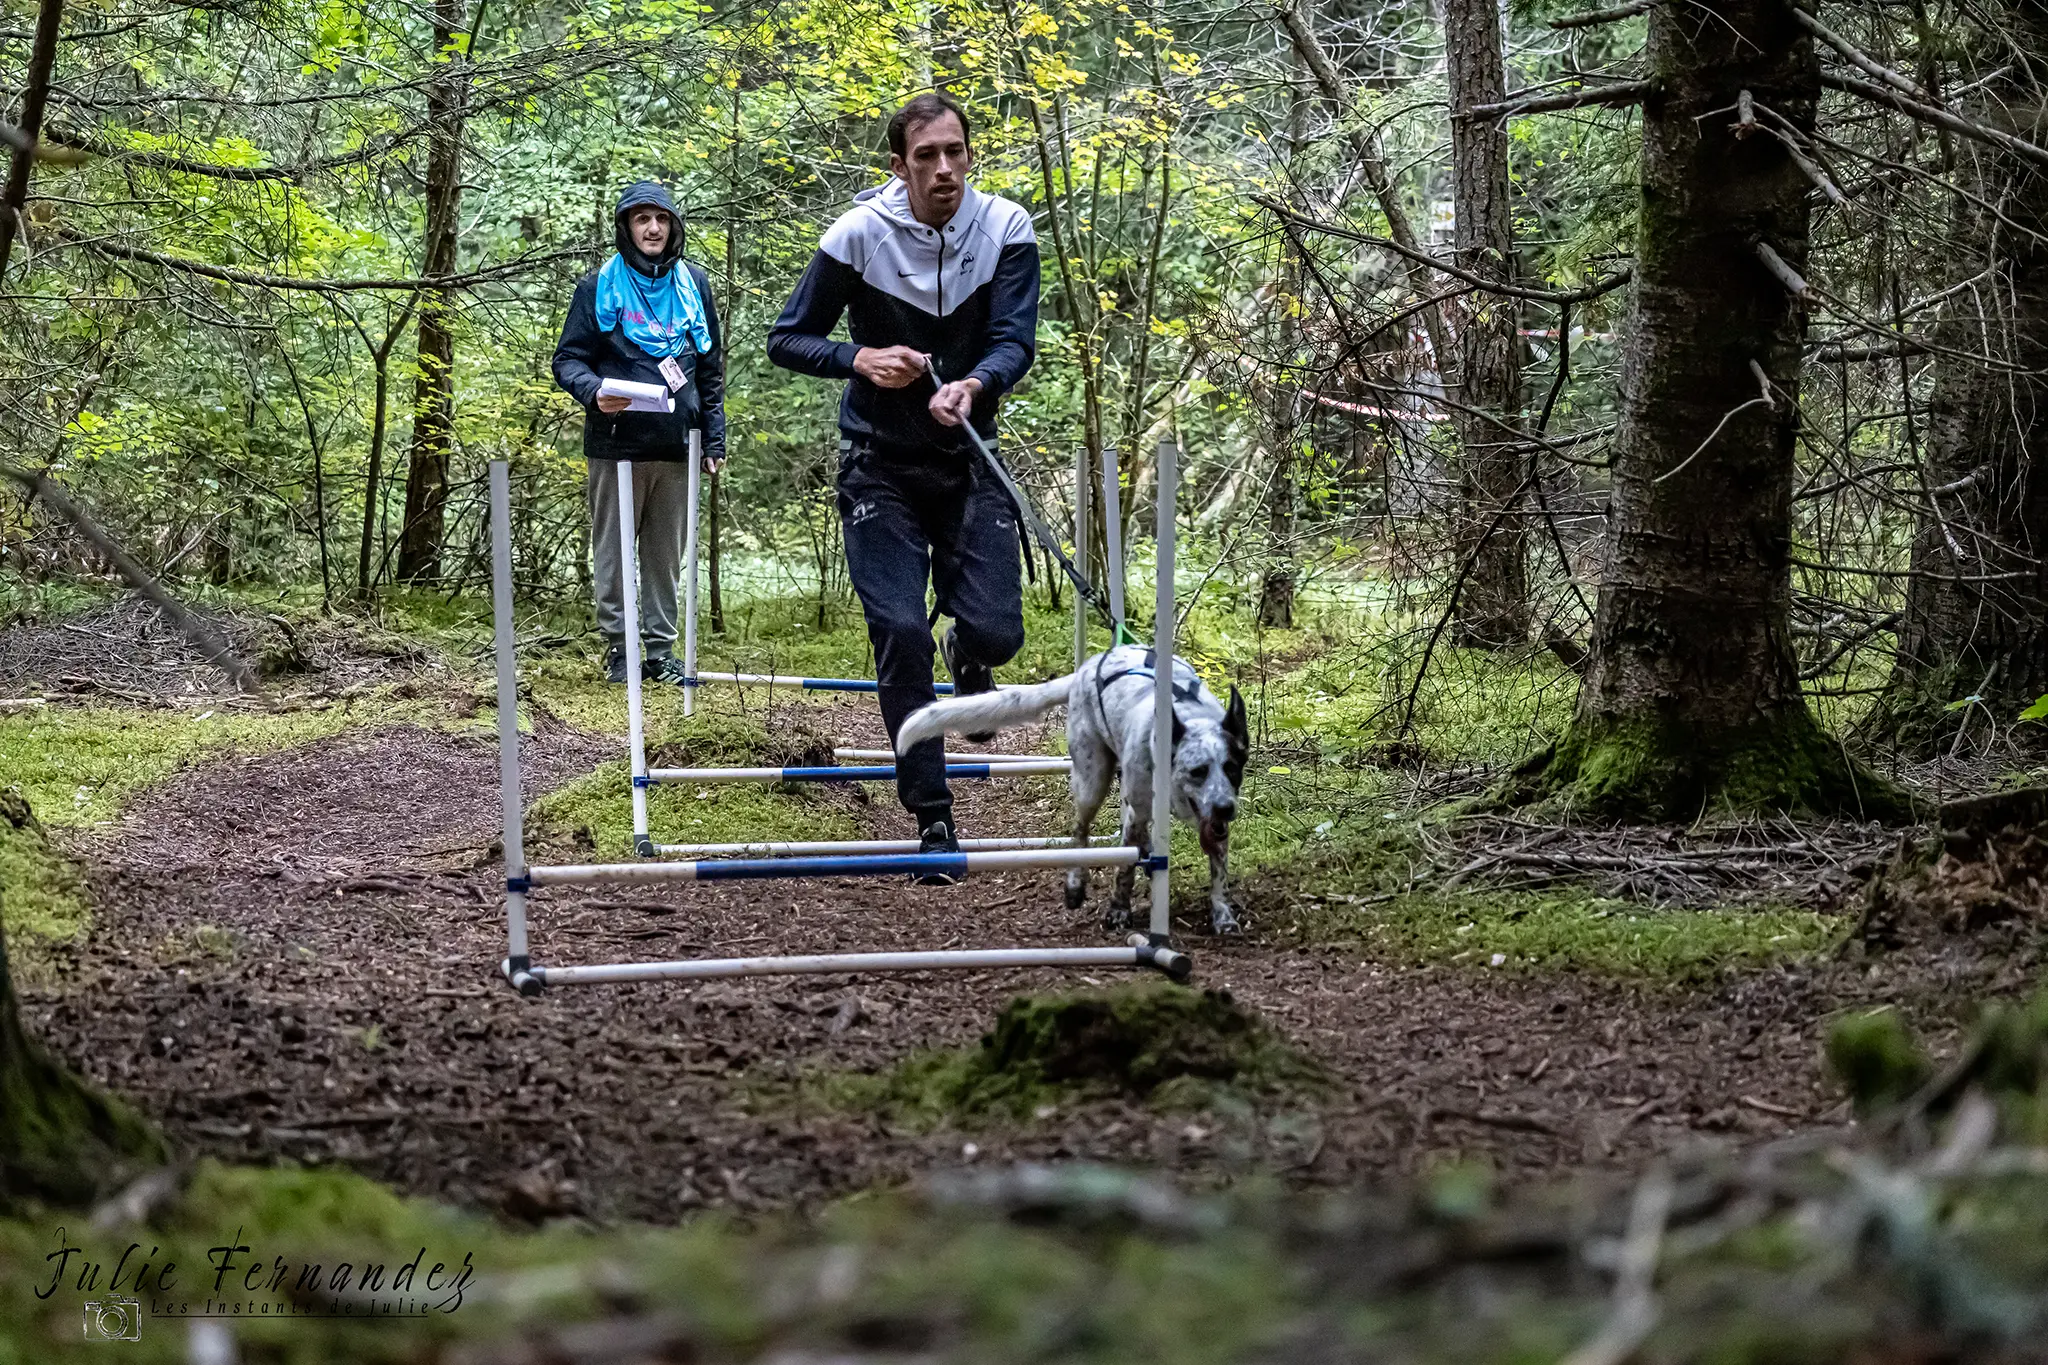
[1493, 607]
[433, 404]
[35, 92]
[1277, 588]
[1691, 698]
[1976, 614]
[61, 1142]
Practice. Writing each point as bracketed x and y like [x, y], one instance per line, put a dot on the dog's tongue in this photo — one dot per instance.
[1210, 839]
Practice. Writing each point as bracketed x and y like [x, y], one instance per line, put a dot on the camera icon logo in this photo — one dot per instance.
[113, 1319]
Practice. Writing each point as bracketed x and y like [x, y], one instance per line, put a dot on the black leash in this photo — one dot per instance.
[1030, 517]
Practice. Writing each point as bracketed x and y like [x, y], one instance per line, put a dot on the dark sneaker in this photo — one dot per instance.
[615, 661]
[968, 678]
[938, 837]
[664, 668]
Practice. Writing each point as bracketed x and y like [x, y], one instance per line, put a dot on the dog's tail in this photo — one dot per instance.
[998, 710]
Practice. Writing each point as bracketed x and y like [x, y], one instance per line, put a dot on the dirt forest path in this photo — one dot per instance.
[294, 956]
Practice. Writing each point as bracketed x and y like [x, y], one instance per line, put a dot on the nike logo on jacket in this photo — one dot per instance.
[966, 293]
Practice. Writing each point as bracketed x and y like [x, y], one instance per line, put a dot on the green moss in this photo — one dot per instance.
[1876, 1058]
[41, 896]
[1656, 769]
[1158, 1041]
[1564, 932]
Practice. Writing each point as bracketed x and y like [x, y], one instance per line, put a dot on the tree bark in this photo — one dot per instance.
[35, 93]
[433, 404]
[1277, 586]
[61, 1142]
[1493, 609]
[1976, 615]
[1691, 699]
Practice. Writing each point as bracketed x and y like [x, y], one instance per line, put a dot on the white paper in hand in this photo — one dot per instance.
[640, 397]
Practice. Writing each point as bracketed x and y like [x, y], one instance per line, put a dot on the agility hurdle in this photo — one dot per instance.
[1152, 949]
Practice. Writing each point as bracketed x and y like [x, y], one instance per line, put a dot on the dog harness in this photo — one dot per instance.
[1149, 669]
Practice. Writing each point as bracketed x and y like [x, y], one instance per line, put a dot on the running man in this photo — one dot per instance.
[926, 270]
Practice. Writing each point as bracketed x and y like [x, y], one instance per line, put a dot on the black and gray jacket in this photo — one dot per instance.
[585, 356]
[966, 294]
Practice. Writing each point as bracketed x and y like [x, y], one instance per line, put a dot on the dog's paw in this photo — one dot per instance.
[1223, 922]
[1117, 919]
[1077, 895]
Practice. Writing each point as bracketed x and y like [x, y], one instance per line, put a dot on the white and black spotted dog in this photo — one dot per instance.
[1109, 702]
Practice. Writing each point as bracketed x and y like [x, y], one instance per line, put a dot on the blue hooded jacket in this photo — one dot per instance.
[587, 355]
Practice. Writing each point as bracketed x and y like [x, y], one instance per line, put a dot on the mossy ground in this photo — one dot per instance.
[1170, 1045]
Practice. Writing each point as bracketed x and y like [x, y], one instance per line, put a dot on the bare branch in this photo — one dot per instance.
[197, 631]
[1370, 161]
[1605, 16]
[1787, 276]
[1939, 118]
[1616, 92]
[1592, 291]
[1856, 58]
[342, 286]
[166, 161]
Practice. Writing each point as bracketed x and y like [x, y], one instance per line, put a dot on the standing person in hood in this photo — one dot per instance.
[646, 316]
[926, 270]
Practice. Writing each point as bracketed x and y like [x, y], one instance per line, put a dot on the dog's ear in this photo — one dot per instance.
[1237, 732]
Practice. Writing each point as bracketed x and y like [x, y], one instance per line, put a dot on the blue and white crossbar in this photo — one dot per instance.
[807, 684]
[882, 773]
[870, 865]
[820, 846]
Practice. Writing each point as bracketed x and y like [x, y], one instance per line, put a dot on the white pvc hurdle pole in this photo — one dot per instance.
[504, 637]
[1162, 691]
[1140, 953]
[1080, 549]
[629, 579]
[889, 756]
[821, 847]
[694, 485]
[880, 772]
[1113, 531]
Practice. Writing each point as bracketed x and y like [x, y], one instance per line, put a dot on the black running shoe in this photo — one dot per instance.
[664, 668]
[968, 679]
[937, 837]
[615, 662]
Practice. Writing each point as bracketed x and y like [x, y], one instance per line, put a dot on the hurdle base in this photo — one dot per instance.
[1155, 951]
[522, 976]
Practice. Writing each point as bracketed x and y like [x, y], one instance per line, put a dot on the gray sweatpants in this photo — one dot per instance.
[660, 505]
